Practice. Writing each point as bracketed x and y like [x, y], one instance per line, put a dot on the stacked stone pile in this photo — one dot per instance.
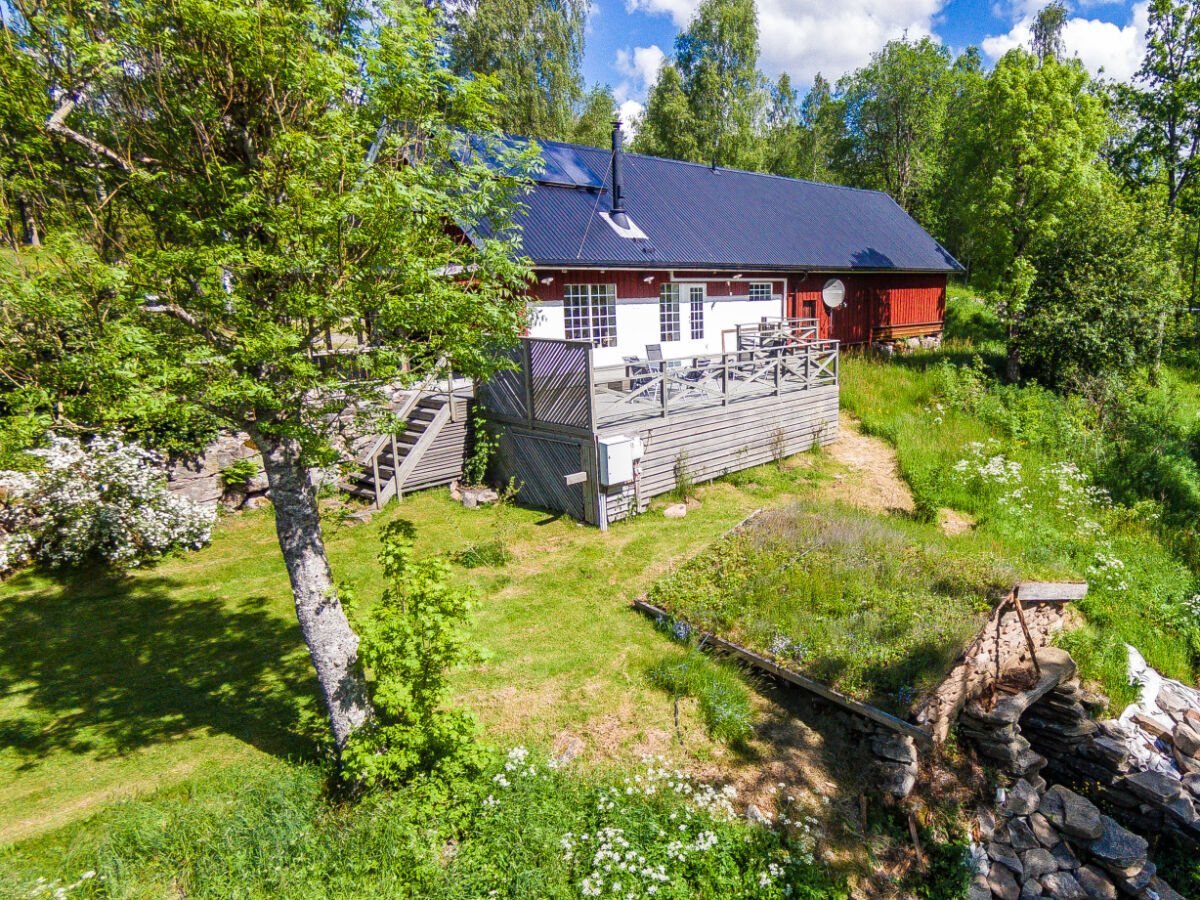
[897, 761]
[1147, 762]
[1057, 844]
[1000, 646]
[1050, 709]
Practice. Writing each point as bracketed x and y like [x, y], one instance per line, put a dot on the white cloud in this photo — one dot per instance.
[640, 68]
[1103, 47]
[630, 112]
[803, 37]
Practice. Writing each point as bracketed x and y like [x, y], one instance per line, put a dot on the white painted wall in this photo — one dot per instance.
[638, 324]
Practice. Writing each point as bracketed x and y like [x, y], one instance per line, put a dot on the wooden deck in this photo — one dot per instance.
[697, 417]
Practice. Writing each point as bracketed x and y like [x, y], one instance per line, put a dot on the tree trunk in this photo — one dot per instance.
[332, 644]
[1156, 351]
[1012, 365]
[29, 222]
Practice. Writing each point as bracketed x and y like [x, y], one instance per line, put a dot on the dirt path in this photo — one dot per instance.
[873, 481]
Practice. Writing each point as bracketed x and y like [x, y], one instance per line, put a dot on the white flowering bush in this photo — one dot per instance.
[1061, 487]
[103, 502]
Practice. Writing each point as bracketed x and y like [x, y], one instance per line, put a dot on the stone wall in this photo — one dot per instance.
[199, 478]
[1144, 769]
[999, 647]
[1054, 843]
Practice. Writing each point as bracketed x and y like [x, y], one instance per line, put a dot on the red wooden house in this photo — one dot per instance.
[686, 322]
[635, 250]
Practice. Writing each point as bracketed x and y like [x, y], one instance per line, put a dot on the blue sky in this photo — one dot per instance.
[627, 39]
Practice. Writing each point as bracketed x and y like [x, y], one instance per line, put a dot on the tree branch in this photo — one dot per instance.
[56, 124]
[175, 311]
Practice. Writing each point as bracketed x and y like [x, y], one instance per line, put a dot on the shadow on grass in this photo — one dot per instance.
[105, 665]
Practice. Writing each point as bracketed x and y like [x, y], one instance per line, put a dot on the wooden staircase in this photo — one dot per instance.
[426, 453]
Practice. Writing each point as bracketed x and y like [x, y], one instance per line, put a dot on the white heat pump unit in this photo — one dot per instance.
[617, 455]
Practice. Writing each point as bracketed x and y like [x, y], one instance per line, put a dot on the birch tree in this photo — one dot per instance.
[260, 179]
[1027, 153]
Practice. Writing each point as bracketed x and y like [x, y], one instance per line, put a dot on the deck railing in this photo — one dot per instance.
[674, 386]
[554, 383]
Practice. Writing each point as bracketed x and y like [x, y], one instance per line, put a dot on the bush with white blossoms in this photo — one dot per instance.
[106, 502]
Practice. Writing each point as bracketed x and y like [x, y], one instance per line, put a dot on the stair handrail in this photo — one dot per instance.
[389, 439]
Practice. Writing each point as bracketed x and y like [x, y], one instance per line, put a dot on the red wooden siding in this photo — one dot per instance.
[872, 301]
[632, 285]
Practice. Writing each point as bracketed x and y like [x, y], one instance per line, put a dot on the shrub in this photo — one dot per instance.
[483, 446]
[685, 482]
[239, 473]
[724, 700]
[408, 643]
[104, 503]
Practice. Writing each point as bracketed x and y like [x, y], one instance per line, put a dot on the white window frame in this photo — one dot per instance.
[756, 290]
[590, 313]
[668, 313]
[697, 294]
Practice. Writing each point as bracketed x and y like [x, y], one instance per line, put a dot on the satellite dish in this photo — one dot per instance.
[833, 293]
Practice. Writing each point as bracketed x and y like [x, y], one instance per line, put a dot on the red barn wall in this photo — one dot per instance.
[632, 284]
[872, 301]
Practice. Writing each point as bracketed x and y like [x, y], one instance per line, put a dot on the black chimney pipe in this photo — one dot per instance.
[618, 186]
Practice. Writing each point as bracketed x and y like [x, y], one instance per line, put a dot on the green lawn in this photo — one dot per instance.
[878, 607]
[112, 687]
[1031, 511]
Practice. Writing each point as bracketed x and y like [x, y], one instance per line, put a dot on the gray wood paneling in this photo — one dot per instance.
[539, 463]
[726, 440]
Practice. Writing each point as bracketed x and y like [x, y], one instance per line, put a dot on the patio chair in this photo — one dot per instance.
[654, 365]
[637, 372]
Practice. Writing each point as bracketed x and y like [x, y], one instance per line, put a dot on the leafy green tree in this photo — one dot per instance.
[411, 640]
[266, 180]
[782, 133]
[895, 111]
[715, 74]
[1102, 284]
[1046, 37]
[822, 121]
[1027, 153]
[944, 213]
[534, 48]
[1164, 101]
[593, 127]
[667, 126]
[717, 56]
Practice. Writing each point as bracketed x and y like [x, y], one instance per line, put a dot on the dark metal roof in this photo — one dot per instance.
[699, 217]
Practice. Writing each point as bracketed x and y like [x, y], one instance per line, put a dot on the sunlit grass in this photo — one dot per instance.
[112, 687]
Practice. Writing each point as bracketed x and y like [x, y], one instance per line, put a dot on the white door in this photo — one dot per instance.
[696, 297]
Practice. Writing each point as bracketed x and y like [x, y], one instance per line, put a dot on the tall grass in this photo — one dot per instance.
[717, 686]
[1035, 506]
[523, 829]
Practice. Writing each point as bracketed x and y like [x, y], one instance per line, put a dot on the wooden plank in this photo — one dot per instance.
[413, 458]
[1051, 591]
[576, 478]
[695, 412]
[761, 662]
